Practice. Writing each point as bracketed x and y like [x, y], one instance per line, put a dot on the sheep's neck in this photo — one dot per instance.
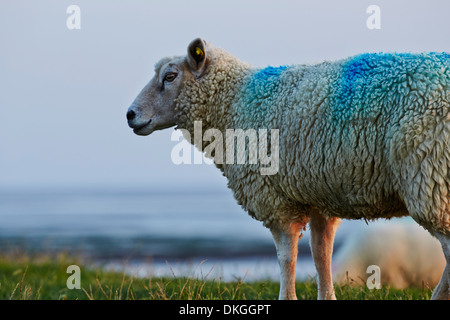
[209, 99]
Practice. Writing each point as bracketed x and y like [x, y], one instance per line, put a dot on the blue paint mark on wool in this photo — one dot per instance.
[259, 93]
[367, 78]
[442, 56]
[265, 81]
[268, 72]
[358, 73]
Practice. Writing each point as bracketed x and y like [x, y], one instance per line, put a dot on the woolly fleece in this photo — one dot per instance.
[363, 137]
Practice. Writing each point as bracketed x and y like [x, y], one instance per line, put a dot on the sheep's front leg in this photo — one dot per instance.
[322, 239]
[286, 242]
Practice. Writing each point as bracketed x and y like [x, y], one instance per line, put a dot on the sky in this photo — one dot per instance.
[64, 93]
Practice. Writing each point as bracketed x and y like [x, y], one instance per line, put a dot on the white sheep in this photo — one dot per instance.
[405, 253]
[360, 138]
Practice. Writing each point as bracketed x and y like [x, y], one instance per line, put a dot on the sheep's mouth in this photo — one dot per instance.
[145, 129]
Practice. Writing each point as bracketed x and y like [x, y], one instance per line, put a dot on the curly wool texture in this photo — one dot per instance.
[364, 137]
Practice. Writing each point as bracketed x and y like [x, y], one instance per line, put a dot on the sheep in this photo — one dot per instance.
[359, 138]
[405, 253]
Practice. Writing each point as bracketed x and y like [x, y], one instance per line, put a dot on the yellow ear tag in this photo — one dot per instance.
[198, 51]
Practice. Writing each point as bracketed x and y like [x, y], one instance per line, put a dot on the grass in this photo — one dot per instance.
[44, 278]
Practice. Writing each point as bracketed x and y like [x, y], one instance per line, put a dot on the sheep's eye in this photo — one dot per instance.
[169, 77]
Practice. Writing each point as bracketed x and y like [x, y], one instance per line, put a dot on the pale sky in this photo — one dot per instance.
[64, 93]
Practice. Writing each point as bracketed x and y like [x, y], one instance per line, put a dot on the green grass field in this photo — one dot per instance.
[44, 278]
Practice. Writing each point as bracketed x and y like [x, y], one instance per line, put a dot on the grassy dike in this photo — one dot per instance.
[44, 278]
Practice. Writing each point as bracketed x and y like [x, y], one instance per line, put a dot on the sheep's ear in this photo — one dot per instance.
[197, 55]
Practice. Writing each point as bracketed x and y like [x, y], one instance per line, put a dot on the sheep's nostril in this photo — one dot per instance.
[131, 115]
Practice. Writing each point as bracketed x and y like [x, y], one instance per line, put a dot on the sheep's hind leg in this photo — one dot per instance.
[286, 242]
[322, 239]
[442, 290]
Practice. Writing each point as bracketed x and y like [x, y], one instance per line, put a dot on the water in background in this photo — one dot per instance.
[149, 233]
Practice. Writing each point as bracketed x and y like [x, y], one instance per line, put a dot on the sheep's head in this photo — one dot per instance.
[154, 107]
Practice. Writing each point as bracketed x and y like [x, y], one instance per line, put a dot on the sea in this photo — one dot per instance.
[202, 234]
